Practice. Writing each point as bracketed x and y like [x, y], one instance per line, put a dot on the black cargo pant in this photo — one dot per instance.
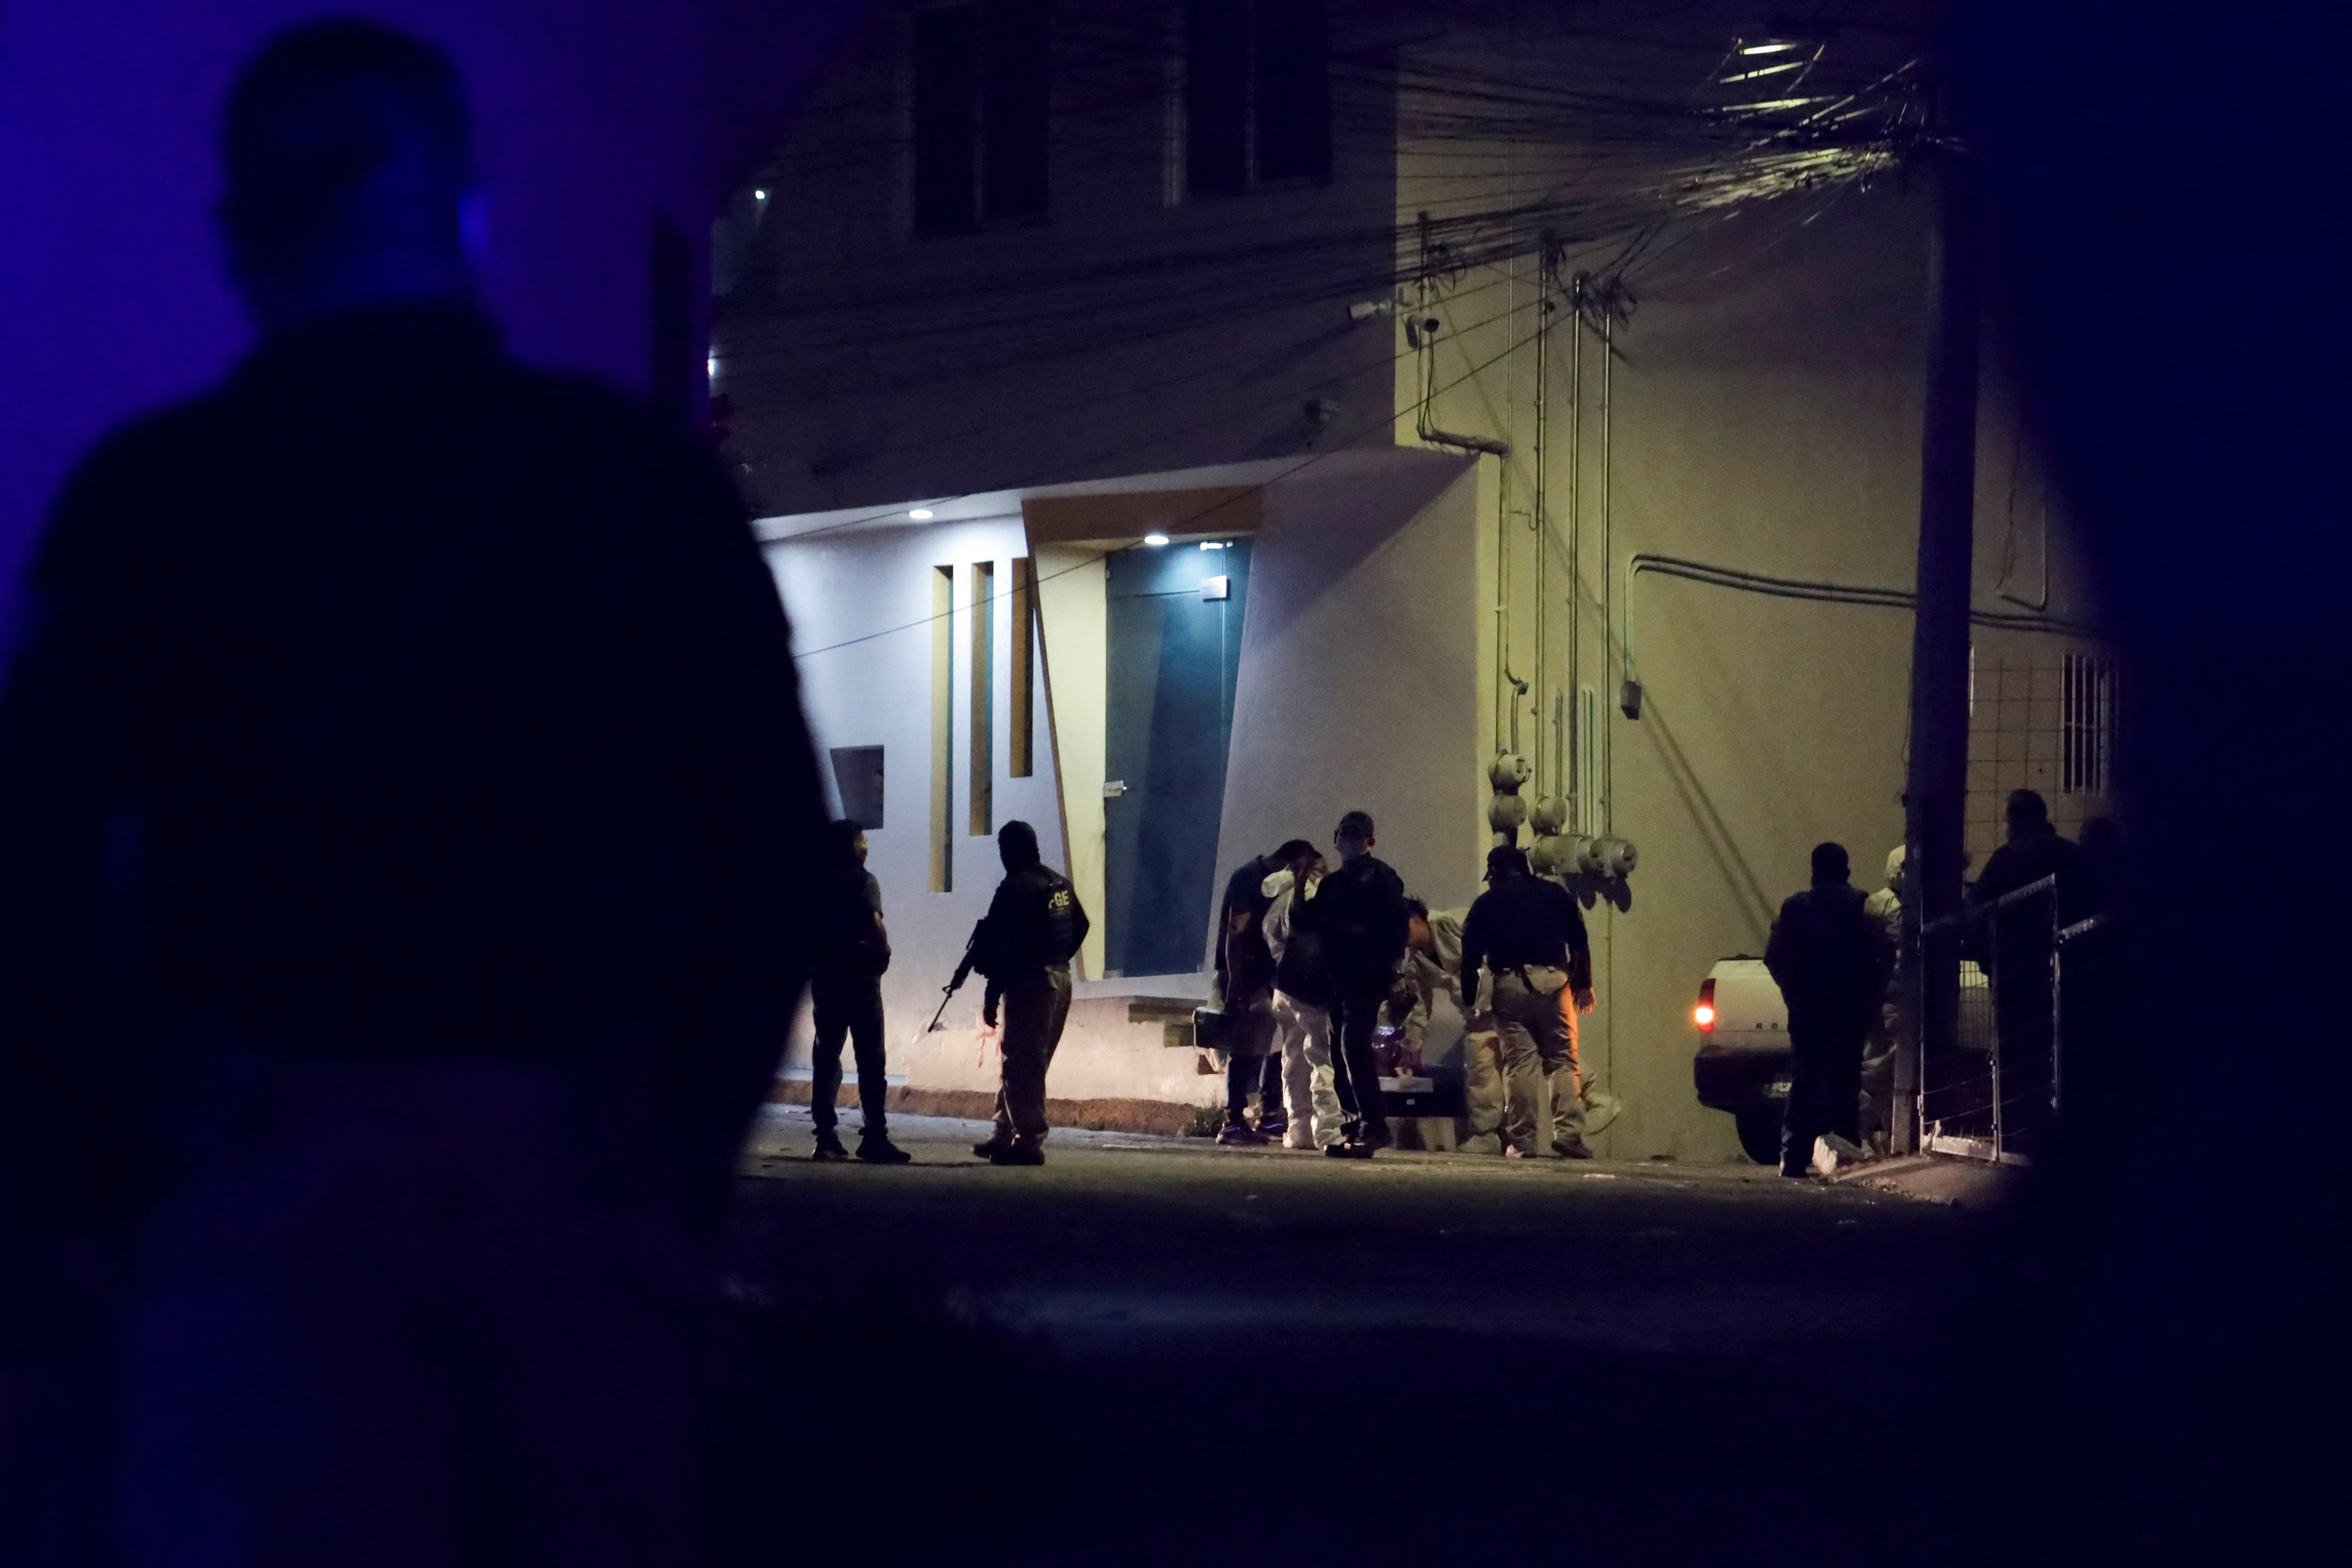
[1824, 1084]
[1251, 1065]
[1354, 1015]
[848, 1006]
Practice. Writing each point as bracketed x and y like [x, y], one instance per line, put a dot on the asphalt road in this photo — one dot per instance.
[1158, 1350]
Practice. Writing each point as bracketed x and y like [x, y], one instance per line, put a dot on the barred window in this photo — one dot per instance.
[2087, 725]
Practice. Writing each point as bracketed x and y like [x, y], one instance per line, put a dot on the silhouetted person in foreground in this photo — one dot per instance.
[404, 814]
[1033, 926]
[852, 953]
[1831, 961]
[2015, 946]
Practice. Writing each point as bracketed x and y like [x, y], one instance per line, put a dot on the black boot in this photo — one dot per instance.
[828, 1146]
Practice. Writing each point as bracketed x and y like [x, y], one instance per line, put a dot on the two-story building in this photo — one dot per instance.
[1179, 422]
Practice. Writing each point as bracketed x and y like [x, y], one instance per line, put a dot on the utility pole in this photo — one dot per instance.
[1935, 795]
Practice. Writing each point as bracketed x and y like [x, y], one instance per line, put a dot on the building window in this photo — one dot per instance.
[1257, 98]
[1021, 628]
[857, 778]
[2086, 725]
[980, 81]
[942, 729]
[984, 698]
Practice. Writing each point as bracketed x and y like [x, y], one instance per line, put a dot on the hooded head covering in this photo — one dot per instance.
[1016, 845]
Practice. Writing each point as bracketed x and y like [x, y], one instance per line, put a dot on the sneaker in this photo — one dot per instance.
[989, 1148]
[1020, 1151]
[876, 1149]
[1376, 1134]
[828, 1146]
[1297, 1138]
[1237, 1133]
[1572, 1149]
[1348, 1151]
[1274, 1127]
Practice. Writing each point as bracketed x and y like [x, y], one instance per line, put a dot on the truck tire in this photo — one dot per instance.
[1759, 1135]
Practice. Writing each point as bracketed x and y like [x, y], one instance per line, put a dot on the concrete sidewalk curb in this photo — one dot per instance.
[1936, 1178]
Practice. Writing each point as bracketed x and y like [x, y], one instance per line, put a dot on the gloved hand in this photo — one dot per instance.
[988, 1014]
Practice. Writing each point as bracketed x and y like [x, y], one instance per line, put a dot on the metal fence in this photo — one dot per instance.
[1997, 1090]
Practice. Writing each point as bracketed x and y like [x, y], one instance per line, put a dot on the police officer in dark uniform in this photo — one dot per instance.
[1359, 915]
[1033, 926]
[851, 952]
[1831, 961]
[1528, 933]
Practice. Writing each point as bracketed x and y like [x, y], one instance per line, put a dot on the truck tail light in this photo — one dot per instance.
[1703, 1015]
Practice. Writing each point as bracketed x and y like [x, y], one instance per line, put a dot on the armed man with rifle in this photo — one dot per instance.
[1033, 926]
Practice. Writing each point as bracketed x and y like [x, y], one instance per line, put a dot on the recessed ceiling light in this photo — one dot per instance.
[1155, 540]
[922, 514]
[759, 195]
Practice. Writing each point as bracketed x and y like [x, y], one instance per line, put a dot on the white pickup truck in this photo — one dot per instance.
[1743, 1060]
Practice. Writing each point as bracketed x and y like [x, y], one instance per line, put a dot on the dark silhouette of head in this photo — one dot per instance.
[349, 168]
[1354, 835]
[847, 840]
[1016, 846]
[1829, 864]
[1505, 862]
[2027, 811]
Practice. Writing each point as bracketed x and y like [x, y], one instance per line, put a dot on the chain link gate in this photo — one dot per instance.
[1997, 1092]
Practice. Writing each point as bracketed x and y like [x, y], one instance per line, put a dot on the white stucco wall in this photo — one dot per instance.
[860, 602]
[1359, 687]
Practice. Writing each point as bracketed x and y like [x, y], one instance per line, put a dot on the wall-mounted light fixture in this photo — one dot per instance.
[922, 514]
[1155, 540]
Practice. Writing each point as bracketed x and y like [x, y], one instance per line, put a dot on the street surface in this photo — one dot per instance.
[1160, 1350]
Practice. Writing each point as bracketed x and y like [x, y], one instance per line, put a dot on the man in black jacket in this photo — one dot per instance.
[1033, 926]
[2015, 946]
[852, 953]
[406, 827]
[1529, 934]
[1359, 913]
[1831, 961]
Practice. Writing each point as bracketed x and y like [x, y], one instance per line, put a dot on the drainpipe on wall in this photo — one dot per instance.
[1421, 336]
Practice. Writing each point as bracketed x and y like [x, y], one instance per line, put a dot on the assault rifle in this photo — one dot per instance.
[963, 973]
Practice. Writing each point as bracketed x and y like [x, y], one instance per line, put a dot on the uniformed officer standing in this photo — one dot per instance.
[1033, 926]
[1529, 934]
[852, 951]
[1830, 961]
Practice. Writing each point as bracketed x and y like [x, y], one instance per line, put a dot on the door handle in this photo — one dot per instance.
[1113, 788]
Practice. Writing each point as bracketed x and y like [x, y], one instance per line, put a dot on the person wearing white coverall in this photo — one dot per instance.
[1302, 1017]
[1884, 908]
